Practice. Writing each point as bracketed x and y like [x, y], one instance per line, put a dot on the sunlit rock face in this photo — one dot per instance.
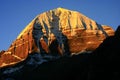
[56, 32]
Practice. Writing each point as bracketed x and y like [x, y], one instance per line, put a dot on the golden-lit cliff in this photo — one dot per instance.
[58, 31]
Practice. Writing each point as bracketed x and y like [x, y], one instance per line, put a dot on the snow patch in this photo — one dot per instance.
[35, 59]
[38, 58]
[10, 70]
[82, 52]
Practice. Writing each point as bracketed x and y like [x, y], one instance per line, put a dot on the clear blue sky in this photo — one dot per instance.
[16, 14]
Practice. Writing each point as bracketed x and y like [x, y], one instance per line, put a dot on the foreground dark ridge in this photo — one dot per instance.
[103, 63]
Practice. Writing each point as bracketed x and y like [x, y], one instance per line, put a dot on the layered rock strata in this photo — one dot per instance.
[56, 32]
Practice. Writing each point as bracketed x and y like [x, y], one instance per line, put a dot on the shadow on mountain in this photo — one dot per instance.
[59, 49]
[103, 63]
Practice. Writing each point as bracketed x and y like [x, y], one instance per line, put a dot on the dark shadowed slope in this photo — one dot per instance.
[105, 60]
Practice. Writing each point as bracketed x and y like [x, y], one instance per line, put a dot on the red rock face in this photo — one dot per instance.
[55, 32]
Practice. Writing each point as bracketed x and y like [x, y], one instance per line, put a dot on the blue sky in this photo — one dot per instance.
[16, 14]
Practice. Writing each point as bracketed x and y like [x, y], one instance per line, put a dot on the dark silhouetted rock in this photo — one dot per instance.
[106, 58]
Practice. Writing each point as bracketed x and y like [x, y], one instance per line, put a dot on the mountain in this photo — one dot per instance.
[55, 33]
[102, 63]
